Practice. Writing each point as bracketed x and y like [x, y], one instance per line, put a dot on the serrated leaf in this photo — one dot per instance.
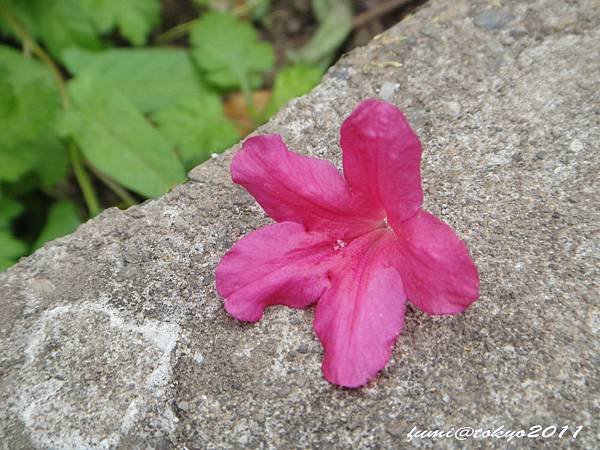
[63, 219]
[118, 140]
[27, 141]
[151, 78]
[10, 247]
[34, 101]
[22, 69]
[9, 210]
[34, 109]
[134, 18]
[31, 113]
[229, 51]
[197, 127]
[292, 82]
[59, 24]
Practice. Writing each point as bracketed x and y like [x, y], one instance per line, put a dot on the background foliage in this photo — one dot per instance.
[102, 104]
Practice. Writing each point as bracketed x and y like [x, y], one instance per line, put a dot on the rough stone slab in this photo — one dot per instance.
[114, 336]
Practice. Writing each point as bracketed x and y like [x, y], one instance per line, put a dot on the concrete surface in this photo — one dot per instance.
[113, 337]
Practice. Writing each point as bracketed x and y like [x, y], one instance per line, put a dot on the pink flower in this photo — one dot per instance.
[360, 245]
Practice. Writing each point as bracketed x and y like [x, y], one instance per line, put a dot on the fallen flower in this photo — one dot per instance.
[360, 245]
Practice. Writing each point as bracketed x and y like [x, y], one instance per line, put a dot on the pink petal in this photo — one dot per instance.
[292, 187]
[359, 318]
[277, 264]
[382, 157]
[438, 274]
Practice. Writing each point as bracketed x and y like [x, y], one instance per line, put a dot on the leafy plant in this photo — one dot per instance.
[88, 121]
[229, 52]
[150, 78]
[197, 127]
[62, 219]
[116, 138]
[292, 81]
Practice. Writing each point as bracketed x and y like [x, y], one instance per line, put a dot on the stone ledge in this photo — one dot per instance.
[114, 336]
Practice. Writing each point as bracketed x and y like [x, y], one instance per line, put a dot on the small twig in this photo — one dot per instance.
[182, 29]
[177, 31]
[377, 11]
[84, 181]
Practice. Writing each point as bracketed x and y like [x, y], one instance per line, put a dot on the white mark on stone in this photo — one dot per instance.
[453, 108]
[199, 247]
[35, 341]
[576, 146]
[170, 212]
[130, 417]
[388, 89]
[198, 358]
[50, 403]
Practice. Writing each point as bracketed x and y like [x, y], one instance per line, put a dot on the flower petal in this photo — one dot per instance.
[359, 318]
[297, 188]
[382, 158]
[438, 274]
[277, 264]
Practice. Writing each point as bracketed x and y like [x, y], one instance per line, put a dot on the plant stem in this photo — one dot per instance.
[29, 44]
[177, 31]
[182, 29]
[121, 192]
[84, 181]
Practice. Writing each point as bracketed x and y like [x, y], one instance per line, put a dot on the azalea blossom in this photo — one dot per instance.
[359, 245]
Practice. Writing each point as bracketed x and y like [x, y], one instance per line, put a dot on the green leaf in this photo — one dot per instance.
[229, 51]
[152, 78]
[23, 69]
[8, 99]
[198, 128]
[33, 107]
[9, 210]
[292, 82]
[10, 247]
[336, 23]
[52, 160]
[321, 9]
[5, 263]
[118, 140]
[134, 18]
[59, 24]
[32, 98]
[46, 156]
[27, 139]
[63, 219]
[16, 161]
[260, 8]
